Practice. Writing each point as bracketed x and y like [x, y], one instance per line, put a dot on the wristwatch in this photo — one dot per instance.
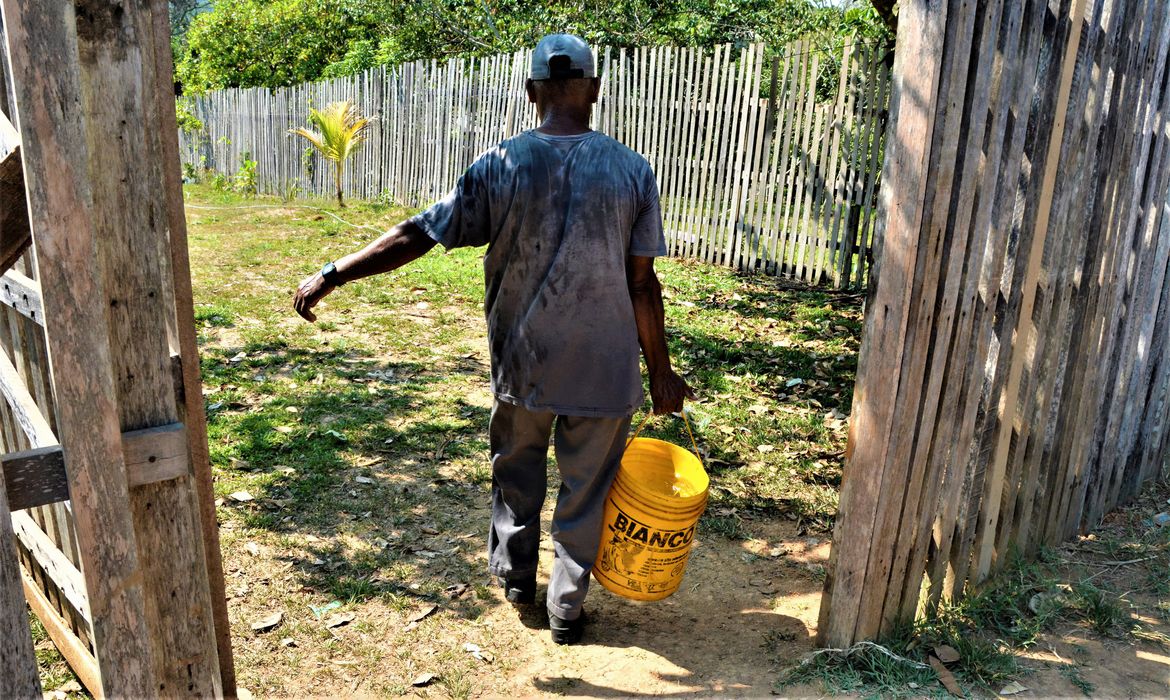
[329, 274]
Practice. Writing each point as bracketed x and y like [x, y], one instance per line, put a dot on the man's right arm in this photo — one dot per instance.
[400, 245]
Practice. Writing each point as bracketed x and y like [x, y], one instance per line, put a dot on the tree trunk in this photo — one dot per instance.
[337, 180]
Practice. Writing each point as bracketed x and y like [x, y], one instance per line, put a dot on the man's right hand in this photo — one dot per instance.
[668, 391]
[312, 289]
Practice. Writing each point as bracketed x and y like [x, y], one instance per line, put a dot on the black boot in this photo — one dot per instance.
[519, 591]
[566, 631]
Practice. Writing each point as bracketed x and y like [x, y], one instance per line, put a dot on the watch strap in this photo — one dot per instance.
[329, 274]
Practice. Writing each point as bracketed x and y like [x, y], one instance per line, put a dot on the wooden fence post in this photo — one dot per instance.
[94, 94]
[48, 91]
[915, 94]
[18, 664]
[193, 415]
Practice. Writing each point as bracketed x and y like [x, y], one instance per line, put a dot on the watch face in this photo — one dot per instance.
[329, 273]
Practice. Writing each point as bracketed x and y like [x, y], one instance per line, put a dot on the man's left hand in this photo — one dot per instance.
[668, 391]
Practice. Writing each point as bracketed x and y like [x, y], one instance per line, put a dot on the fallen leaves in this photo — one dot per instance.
[418, 617]
[339, 620]
[946, 678]
[268, 622]
[946, 654]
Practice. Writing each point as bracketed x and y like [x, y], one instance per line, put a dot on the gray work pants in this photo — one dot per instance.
[588, 452]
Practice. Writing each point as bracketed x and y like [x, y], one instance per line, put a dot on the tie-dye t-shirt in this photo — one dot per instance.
[559, 216]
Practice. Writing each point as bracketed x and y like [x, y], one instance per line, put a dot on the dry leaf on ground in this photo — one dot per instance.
[339, 619]
[423, 680]
[946, 678]
[423, 614]
[946, 654]
[268, 622]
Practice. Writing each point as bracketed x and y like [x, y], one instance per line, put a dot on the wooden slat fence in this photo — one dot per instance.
[757, 169]
[47, 544]
[1015, 369]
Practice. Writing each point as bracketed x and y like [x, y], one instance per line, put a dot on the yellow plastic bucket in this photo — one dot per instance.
[650, 516]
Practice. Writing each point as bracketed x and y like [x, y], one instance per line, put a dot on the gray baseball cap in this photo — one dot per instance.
[547, 64]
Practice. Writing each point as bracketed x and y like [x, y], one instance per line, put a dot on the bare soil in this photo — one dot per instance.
[747, 608]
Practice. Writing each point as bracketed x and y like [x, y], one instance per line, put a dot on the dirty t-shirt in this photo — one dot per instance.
[559, 216]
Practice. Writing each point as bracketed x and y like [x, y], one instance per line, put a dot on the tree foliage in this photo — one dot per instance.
[272, 43]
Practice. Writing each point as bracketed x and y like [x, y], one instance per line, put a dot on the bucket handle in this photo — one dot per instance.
[686, 422]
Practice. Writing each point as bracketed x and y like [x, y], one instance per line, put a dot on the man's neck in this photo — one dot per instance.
[564, 123]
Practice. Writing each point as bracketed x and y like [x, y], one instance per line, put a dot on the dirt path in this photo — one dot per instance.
[739, 616]
[746, 610]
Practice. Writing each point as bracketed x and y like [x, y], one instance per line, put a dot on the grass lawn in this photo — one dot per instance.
[350, 455]
[350, 465]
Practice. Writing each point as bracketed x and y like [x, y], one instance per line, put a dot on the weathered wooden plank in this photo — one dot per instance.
[34, 477]
[64, 573]
[19, 675]
[1014, 214]
[37, 477]
[921, 33]
[22, 294]
[185, 446]
[73, 648]
[1040, 486]
[805, 179]
[1068, 496]
[15, 236]
[1136, 276]
[24, 407]
[932, 295]
[868, 243]
[69, 130]
[795, 99]
[1028, 471]
[49, 93]
[945, 356]
[122, 94]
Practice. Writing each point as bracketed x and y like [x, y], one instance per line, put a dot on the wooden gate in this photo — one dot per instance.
[107, 520]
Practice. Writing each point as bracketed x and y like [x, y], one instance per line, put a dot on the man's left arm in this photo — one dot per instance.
[667, 389]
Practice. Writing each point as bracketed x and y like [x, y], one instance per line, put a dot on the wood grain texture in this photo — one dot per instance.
[34, 477]
[64, 573]
[1022, 393]
[15, 235]
[48, 96]
[23, 294]
[121, 82]
[19, 675]
[24, 407]
[81, 660]
[905, 178]
[196, 456]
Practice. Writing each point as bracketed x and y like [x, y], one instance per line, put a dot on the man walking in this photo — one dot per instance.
[571, 221]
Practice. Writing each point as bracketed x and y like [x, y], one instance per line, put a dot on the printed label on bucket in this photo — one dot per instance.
[640, 557]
